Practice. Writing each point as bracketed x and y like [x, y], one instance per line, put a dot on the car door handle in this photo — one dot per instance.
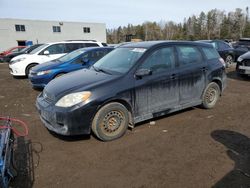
[173, 77]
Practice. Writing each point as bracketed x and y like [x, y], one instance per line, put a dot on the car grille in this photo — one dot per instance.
[246, 63]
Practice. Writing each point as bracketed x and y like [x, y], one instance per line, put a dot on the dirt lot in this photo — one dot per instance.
[193, 148]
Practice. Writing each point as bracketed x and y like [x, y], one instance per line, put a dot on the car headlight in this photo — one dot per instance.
[17, 60]
[43, 72]
[73, 99]
[239, 59]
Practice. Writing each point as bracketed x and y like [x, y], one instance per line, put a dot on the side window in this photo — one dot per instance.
[160, 60]
[91, 44]
[210, 53]
[55, 49]
[188, 55]
[72, 46]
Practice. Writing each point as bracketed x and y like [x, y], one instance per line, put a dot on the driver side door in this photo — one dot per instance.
[159, 90]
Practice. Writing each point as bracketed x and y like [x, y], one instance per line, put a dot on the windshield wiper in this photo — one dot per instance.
[101, 70]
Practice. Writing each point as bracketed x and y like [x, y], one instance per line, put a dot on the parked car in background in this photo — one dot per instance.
[22, 64]
[26, 50]
[11, 50]
[42, 74]
[242, 46]
[243, 42]
[131, 84]
[243, 65]
[224, 49]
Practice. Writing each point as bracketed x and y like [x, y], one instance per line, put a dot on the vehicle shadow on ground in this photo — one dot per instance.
[233, 75]
[26, 159]
[70, 138]
[238, 146]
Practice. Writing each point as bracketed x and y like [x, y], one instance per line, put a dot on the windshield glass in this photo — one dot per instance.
[120, 60]
[71, 55]
[38, 48]
[24, 49]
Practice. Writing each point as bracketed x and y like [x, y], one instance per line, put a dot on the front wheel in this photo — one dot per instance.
[27, 71]
[211, 95]
[111, 121]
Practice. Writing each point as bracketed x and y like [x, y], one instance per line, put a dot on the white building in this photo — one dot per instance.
[18, 32]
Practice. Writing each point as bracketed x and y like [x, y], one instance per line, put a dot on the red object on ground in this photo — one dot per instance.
[20, 123]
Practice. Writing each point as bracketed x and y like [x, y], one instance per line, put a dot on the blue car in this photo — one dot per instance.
[42, 74]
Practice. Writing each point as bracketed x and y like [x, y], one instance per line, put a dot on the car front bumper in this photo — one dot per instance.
[75, 120]
[243, 70]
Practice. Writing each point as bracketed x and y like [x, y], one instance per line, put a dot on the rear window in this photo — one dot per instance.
[210, 53]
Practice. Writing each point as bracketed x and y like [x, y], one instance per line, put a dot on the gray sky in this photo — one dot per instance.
[113, 13]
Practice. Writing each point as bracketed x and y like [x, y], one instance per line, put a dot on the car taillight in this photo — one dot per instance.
[223, 62]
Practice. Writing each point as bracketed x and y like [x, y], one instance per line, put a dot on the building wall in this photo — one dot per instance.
[42, 32]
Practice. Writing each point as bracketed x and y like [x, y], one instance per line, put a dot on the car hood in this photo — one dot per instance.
[246, 55]
[47, 65]
[21, 56]
[82, 80]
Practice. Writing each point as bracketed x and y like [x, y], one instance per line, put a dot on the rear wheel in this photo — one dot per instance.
[211, 95]
[229, 60]
[111, 121]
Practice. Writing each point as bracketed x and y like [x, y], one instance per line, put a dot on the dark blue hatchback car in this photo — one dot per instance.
[133, 83]
[42, 74]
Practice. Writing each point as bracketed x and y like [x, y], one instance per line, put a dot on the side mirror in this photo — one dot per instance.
[143, 72]
[46, 52]
[85, 60]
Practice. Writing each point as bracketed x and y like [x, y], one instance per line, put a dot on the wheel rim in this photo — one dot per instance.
[229, 59]
[112, 122]
[211, 95]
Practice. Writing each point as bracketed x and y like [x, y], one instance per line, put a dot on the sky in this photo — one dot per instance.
[114, 13]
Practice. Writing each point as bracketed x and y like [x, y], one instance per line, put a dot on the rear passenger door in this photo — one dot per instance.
[159, 90]
[192, 74]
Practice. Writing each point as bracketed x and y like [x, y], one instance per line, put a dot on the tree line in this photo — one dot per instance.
[215, 24]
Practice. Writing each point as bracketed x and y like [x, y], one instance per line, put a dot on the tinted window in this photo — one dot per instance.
[223, 45]
[104, 44]
[91, 44]
[210, 53]
[188, 55]
[55, 49]
[73, 46]
[160, 60]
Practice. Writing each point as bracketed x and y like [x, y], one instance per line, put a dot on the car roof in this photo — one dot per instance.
[72, 41]
[95, 48]
[149, 44]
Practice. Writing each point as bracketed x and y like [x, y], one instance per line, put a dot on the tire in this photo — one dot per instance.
[110, 122]
[211, 95]
[229, 60]
[27, 71]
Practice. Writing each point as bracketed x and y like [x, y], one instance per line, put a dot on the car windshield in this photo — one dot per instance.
[119, 60]
[72, 55]
[24, 49]
[38, 49]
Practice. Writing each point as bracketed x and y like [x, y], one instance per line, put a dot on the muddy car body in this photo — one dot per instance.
[133, 83]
